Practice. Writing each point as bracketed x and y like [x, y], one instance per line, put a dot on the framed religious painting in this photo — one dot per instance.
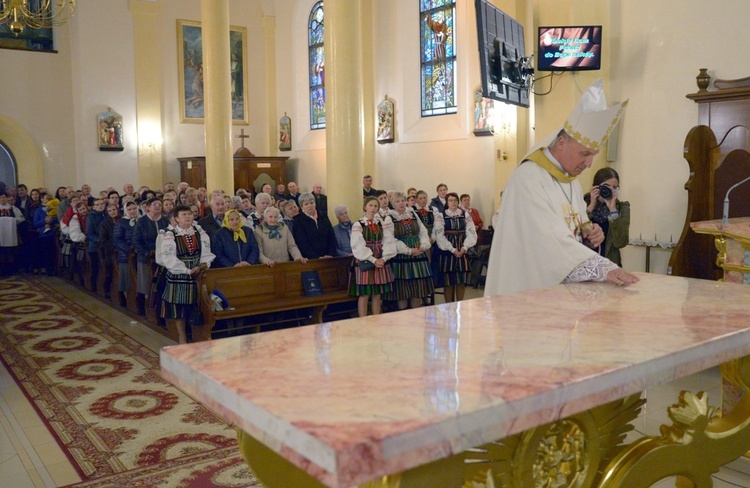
[109, 130]
[190, 70]
[385, 130]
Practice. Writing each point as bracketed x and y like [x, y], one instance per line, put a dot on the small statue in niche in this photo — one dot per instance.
[385, 132]
[109, 128]
[285, 133]
[483, 108]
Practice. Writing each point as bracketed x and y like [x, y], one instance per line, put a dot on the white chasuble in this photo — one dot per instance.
[537, 239]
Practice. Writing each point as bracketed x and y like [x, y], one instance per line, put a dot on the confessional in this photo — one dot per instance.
[251, 172]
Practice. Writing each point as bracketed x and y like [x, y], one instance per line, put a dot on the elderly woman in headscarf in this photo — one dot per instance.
[275, 240]
[312, 232]
[234, 244]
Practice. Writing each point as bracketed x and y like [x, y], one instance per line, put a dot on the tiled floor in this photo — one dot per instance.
[29, 456]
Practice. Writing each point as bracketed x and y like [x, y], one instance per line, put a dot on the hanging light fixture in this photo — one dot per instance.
[35, 14]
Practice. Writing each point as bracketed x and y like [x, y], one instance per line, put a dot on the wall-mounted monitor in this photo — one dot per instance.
[506, 74]
[570, 48]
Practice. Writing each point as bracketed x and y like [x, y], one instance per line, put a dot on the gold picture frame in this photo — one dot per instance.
[190, 72]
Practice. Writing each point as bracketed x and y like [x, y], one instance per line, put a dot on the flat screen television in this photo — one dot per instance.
[570, 48]
[506, 71]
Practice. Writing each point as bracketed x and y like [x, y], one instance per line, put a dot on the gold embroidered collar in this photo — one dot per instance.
[539, 158]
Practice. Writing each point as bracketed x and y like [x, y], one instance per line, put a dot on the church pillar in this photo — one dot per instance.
[269, 38]
[344, 103]
[217, 95]
[148, 86]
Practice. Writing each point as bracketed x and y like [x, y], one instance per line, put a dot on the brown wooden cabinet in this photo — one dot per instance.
[250, 172]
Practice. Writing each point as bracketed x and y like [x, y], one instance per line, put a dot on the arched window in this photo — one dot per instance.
[317, 68]
[438, 56]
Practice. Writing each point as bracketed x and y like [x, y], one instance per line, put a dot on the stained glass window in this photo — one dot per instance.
[438, 56]
[317, 68]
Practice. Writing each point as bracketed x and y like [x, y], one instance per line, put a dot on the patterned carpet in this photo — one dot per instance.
[101, 396]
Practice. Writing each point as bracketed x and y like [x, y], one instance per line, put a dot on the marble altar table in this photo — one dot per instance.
[351, 401]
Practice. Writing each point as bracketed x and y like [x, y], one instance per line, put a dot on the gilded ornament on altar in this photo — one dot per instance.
[567, 453]
[560, 456]
[696, 434]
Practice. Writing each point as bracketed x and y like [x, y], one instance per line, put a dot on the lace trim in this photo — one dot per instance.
[594, 268]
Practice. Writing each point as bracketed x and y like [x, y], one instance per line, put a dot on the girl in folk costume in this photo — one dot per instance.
[455, 235]
[76, 242]
[410, 266]
[425, 213]
[183, 250]
[372, 242]
[383, 202]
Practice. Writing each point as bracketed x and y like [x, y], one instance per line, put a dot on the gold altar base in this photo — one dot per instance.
[581, 451]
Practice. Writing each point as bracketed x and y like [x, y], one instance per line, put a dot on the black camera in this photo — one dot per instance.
[605, 192]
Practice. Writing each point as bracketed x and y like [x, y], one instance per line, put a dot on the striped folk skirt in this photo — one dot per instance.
[180, 291]
[455, 271]
[413, 278]
[375, 281]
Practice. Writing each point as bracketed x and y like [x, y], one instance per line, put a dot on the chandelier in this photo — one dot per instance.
[35, 14]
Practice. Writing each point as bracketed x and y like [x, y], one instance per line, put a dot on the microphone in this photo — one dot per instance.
[725, 217]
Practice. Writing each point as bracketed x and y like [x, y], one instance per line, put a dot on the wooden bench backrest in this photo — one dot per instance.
[260, 287]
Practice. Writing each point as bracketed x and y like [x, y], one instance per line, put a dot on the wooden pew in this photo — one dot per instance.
[259, 289]
[250, 290]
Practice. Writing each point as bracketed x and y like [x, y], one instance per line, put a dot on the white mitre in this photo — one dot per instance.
[591, 121]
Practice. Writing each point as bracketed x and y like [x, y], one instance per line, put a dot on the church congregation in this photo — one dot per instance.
[403, 247]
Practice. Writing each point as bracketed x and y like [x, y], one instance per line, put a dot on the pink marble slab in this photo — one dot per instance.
[739, 227]
[738, 232]
[352, 400]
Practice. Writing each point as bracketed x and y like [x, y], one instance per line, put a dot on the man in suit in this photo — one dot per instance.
[212, 223]
[321, 200]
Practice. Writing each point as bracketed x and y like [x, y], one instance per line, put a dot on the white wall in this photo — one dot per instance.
[37, 95]
[102, 58]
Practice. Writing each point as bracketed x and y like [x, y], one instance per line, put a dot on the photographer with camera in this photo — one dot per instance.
[612, 215]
